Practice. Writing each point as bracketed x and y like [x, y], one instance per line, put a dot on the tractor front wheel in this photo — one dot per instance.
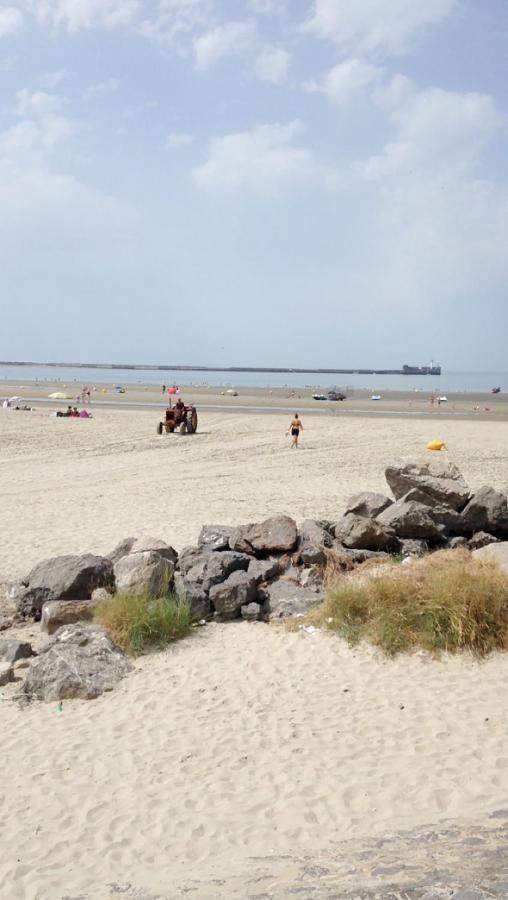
[159, 428]
[183, 428]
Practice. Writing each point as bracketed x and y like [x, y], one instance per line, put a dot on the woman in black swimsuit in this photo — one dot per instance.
[295, 428]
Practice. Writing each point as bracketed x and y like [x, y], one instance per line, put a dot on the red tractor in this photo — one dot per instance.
[180, 416]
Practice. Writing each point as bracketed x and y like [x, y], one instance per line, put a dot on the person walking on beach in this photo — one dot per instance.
[295, 428]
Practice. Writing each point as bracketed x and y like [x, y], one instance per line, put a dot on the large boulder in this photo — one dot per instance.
[228, 598]
[215, 537]
[285, 598]
[496, 552]
[78, 661]
[194, 559]
[360, 533]
[368, 504]
[194, 595]
[64, 578]
[11, 650]
[438, 478]
[313, 532]
[220, 566]
[486, 511]
[56, 613]
[410, 520]
[313, 539]
[142, 572]
[440, 512]
[142, 544]
[278, 534]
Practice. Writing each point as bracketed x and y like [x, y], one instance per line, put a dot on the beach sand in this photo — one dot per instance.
[244, 740]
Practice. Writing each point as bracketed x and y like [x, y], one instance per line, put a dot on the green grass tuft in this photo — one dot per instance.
[447, 601]
[139, 623]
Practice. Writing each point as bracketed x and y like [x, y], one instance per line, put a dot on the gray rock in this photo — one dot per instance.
[121, 549]
[144, 572]
[360, 533]
[458, 541]
[410, 547]
[215, 537]
[64, 578]
[441, 514]
[227, 598]
[410, 520]
[56, 613]
[284, 598]
[268, 569]
[194, 559]
[278, 534]
[497, 552]
[6, 673]
[141, 544]
[219, 566]
[355, 557]
[368, 504]
[487, 511]
[313, 532]
[194, 595]
[252, 612]
[312, 555]
[12, 650]
[436, 477]
[312, 578]
[482, 539]
[78, 661]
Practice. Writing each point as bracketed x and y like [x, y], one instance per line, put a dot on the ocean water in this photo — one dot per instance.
[451, 382]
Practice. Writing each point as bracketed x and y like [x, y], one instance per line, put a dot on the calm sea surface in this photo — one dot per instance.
[448, 381]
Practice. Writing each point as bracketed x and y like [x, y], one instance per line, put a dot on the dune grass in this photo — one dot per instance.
[447, 601]
[140, 623]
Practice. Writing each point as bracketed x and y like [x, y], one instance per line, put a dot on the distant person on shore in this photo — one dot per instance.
[295, 428]
[163, 388]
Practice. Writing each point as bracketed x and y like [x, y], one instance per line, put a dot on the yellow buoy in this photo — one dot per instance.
[436, 444]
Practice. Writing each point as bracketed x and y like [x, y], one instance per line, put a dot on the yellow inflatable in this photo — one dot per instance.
[436, 444]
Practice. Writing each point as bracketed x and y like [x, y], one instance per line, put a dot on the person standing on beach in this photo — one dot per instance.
[295, 428]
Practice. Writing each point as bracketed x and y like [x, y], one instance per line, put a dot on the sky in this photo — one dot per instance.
[254, 182]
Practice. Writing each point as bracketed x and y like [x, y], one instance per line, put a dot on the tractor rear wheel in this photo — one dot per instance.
[192, 422]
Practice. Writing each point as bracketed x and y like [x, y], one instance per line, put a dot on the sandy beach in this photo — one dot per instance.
[244, 740]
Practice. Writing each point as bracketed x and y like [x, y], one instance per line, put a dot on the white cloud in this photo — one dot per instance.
[176, 19]
[229, 39]
[346, 80]
[37, 103]
[82, 14]
[436, 130]
[52, 79]
[365, 26]
[264, 160]
[101, 88]
[11, 20]
[178, 139]
[272, 64]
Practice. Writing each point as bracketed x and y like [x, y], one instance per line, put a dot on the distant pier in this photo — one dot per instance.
[405, 370]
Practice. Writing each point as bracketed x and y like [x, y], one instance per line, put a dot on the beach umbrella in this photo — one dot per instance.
[58, 396]
[173, 390]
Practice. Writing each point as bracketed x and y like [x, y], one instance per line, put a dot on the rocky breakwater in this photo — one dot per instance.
[260, 571]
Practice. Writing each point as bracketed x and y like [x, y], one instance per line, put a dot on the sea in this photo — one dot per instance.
[447, 382]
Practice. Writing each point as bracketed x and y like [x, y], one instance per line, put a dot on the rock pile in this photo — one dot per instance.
[258, 571]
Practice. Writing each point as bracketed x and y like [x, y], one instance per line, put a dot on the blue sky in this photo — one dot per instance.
[259, 182]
